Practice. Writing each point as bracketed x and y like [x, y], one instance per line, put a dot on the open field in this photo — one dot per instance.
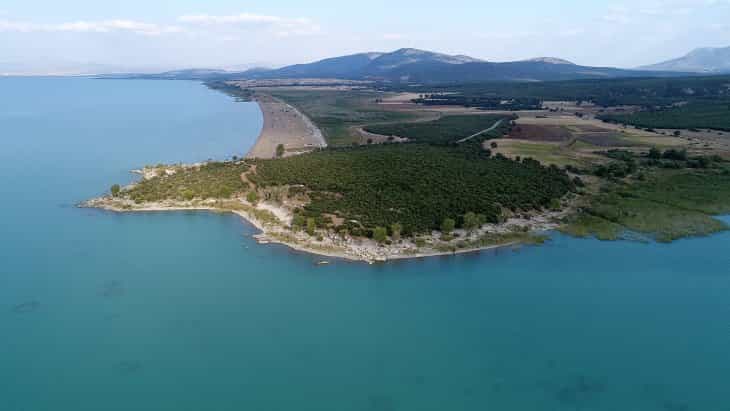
[549, 153]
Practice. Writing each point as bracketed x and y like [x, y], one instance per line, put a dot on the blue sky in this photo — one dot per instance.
[224, 33]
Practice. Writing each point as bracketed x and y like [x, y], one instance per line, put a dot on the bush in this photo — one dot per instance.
[448, 225]
[311, 226]
[395, 231]
[252, 197]
[380, 234]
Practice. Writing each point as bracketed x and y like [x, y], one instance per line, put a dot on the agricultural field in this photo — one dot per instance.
[445, 130]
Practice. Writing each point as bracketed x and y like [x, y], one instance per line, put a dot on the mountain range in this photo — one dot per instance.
[703, 60]
[420, 66]
[410, 65]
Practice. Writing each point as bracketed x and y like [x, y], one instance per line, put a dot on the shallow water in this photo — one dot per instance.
[184, 311]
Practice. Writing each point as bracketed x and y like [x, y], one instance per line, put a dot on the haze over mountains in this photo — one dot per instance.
[420, 66]
[702, 60]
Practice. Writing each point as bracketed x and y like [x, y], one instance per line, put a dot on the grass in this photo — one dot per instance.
[670, 205]
[548, 152]
[336, 112]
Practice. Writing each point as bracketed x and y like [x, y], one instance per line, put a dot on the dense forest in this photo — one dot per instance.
[647, 92]
[484, 102]
[694, 115]
[445, 130]
[415, 185]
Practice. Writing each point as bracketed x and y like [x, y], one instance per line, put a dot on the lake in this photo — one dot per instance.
[184, 311]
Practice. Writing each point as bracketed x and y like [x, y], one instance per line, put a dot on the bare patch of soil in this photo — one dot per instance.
[532, 132]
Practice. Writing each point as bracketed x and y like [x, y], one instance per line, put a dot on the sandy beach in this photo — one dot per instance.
[284, 124]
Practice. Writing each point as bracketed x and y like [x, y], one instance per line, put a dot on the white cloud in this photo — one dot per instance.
[103, 26]
[280, 26]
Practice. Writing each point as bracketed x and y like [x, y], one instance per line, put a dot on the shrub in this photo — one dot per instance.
[380, 234]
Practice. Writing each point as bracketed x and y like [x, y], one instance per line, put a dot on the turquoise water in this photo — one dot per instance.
[183, 311]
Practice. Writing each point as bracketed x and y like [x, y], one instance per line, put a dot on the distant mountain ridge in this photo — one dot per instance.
[410, 65]
[702, 60]
[372, 64]
[413, 65]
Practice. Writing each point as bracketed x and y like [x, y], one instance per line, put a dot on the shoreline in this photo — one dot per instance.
[284, 125]
[272, 231]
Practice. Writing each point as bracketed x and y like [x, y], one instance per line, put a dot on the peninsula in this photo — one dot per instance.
[380, 171]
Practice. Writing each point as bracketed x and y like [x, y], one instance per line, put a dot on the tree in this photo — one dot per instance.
[655, 153]
[447, 226]
[116, 190]
[298, 222]
[395, 230]
[471, 221]
[311, 226]
[493, 145]
[481, 219]
[380, 234]
[252, 197]
[673, 154]
[188, 194]
[280, 150]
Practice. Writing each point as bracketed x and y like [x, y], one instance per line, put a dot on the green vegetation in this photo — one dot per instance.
[115, 189]
[232, 90]
[311, 226]
[252, 197]
[415, 185]
[212, 180]
[448, 225]
[445, 130]
[395, 231]
[280, 150]
[380, 234]
[646, 92]
[696, 115]
[335, 112]
[668, 205]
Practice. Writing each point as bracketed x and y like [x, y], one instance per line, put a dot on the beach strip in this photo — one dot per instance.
[285, 125]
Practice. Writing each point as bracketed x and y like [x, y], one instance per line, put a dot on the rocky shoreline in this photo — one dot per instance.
[273, 222]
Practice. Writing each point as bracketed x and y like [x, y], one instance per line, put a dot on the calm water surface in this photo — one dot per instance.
[184, 311]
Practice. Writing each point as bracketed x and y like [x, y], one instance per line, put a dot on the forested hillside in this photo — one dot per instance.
[416, 185]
